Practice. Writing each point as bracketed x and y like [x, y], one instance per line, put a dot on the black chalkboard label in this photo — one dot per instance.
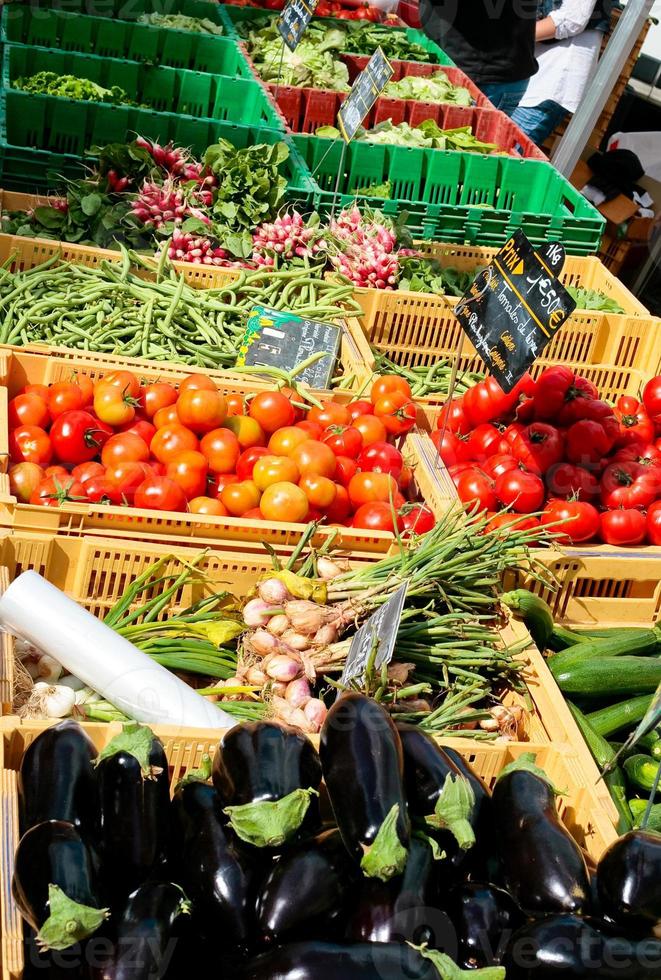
[274, 338]
[515, 306]
[382, 625]
[366, 89]
[294, 19]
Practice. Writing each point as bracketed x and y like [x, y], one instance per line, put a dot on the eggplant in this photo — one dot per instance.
[629, 879]
[432, 781]
[206, 861]
[484, 918]
[145, 940]
[306, 891]
[543, 867]
[362, 961]
[363, 767]
[135, 796]
[267, 776]
[54, 885]
[57, 780]
[403, 909]
[563, 946]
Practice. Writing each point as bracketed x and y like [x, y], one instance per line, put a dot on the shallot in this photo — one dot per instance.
[256, 612]
[298, 692]
[273, 591]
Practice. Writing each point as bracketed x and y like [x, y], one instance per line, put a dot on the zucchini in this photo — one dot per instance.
[561, 638]
[603, 754]
[638, 808]
[535, 613]
[610, 676]
[624, 714]
[609, 632]
[641, 771]
[651, 744]
[622, 644]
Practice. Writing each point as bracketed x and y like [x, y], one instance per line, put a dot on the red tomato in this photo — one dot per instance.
[76, 437]
[417, 518]
[556, 387]
[457, 420]
[538, 447]
[30, 444]
[630, 485]
[574, 520]
[635, 426]
[522, 492]
[483, 441]
[217, 483]
[99, 490]
[500, 463]
[274, 469]
[635, 452]
[361, 407]
[521, 522]
[365, 487]
[124, 447]
[381, 457]
[272, 410]
[41, 391]
[142, 428]
[222, 450]
[112, 405]
[587, 443]
[623, 527]
[405, 477]
[235, 406]
[371, 429]
[240, 497]
[28, 410]
[652, 399]
[166, 416]
[254, 514]
[24, 478]
[172, 440]
[53, 491]
[627, 404]
[285, 440]
[387, 384]
[247, 431]
[208, 506]
[284, 502]
[476, 491]
[156, 396]
[340, 509]
[246, 461]
[332, 413]
[451, 448]
[345, 468]
[160, 493]
[314, 457]
[189, 471]
[654, 523]
[595, 411]
[126, 381]
[376, 516]
[313, 429]
[126, 478]
[85, 471]
[397, 412]
[63, 396]
[201, 411]
[568, 481]
[196, 382]
[58, 471]
[319, 490]
[344, 440]
[486, 401]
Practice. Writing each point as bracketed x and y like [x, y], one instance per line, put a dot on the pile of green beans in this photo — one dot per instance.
[432, 379]
[113, 309]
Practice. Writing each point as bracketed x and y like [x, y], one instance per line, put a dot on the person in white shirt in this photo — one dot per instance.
[568, 35]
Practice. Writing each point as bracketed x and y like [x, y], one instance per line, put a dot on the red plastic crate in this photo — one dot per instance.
[357, 62]
[306, 109]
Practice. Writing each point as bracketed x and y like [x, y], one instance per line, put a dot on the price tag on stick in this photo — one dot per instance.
[515, 307]
[294, 19]
[366, 89]
[380, 628]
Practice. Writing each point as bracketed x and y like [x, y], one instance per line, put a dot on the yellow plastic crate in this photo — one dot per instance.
[578, 809]
[20, 366]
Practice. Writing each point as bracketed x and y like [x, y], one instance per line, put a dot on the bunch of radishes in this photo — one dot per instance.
[156, 204]
[288, 237]
[186, 247]
[366, 249]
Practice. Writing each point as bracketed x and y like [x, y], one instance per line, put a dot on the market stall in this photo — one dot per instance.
[330, 515]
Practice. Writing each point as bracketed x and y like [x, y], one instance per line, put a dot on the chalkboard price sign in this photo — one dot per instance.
[274, 338]
[382, 627]
[365, 90]
[515, 307]
[294, 19]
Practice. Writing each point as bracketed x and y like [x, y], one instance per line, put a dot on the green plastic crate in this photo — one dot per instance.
[39, 147]
[456, 197]
[168, 90]
[233, 16]
[110, 38]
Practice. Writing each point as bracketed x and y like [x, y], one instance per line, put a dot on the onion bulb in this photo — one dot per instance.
[49, 701]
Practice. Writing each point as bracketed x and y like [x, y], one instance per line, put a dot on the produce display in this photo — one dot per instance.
[351, 10]
[429, 88]
[593, 470]
[181, 22]
[70, 87]
[108, 866]
[426, 134]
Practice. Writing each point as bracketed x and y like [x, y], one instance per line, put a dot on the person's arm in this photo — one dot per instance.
[569, 19]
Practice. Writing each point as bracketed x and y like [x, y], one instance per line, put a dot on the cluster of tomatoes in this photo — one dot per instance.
[328, 8]
[191, 448]
[552, 446]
